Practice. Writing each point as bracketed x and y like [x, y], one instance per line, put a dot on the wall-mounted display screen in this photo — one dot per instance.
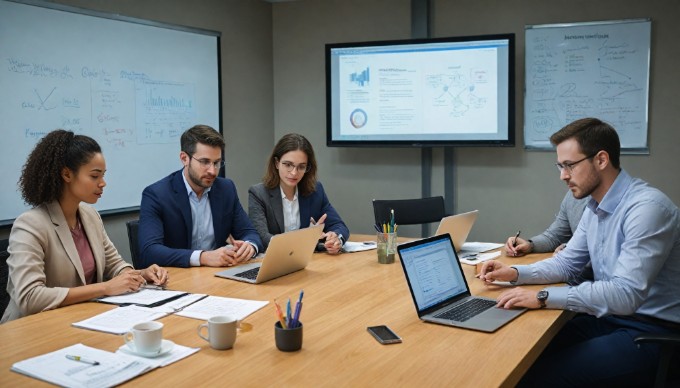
[455, 91]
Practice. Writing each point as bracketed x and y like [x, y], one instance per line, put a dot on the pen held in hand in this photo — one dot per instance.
[514, 242]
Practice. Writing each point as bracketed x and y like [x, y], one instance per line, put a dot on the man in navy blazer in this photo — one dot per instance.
[186, 218]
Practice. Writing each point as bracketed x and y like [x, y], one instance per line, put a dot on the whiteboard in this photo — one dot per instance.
[597, 69]
[132, 85]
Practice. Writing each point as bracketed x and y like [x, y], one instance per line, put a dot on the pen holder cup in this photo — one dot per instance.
[387, 247]
[288, 340]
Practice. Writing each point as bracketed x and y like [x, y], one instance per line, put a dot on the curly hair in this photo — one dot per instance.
[288, 143]
[41, 180]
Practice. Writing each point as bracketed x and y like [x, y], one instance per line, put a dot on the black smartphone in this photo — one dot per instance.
[384, 334]
[320, 247]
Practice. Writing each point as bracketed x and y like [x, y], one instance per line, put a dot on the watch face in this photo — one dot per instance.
[542, 295]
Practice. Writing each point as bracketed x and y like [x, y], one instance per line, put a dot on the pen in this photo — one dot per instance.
[280, 315]
[81, 359]
[164, 301]
[296, 316]
[377, 228]
[514, 242]
[289, 316]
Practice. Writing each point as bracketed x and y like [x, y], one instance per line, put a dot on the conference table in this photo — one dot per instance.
[343, 294]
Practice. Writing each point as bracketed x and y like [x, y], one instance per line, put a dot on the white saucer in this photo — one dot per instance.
[166, 346]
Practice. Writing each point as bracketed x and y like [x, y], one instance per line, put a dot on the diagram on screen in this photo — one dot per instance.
[456, 92]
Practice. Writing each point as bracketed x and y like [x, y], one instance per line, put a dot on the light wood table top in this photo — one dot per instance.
[343, 295]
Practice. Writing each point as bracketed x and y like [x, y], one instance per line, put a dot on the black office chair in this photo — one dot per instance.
[4, 275]
[133, 238]
[670, 355]
[409, 211]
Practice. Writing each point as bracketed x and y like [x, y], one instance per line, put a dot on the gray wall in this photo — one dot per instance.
[512, 188]
[273, 83]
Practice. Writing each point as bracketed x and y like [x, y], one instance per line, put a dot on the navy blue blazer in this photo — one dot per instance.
[265, 208]
[165, 220]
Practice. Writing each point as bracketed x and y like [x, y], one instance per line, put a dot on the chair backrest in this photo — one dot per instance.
[4, 275]
[133, 238]
[409, 211]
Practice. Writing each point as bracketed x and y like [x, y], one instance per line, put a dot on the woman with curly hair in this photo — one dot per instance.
[59, 252]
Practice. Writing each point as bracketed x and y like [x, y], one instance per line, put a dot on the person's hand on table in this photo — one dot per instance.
[333, 244]
[156, 275]
[517, 246]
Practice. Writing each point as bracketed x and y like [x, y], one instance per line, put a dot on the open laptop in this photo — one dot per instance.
[439, 289]
[458, 227]
[287, 252]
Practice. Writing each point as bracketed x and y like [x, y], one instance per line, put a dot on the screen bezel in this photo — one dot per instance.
[509, 141]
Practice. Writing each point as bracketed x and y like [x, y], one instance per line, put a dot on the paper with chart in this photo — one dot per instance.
[112, 369]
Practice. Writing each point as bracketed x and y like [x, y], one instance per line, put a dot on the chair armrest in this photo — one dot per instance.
[669, 339]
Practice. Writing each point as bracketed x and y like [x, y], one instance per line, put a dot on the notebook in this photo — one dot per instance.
[458, 227]
[287, 252]
[439, 289]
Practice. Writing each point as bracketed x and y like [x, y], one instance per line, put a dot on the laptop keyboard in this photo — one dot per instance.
[467, 310]
[249, 274]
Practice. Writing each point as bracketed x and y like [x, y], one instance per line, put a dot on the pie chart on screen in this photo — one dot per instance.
[358, 118]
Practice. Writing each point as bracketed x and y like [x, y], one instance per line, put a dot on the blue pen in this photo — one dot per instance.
[296, 317]
[289, 317]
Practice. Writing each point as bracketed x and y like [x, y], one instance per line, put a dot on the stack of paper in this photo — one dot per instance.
[110, 369]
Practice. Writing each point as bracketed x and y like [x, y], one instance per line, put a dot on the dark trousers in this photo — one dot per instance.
[597, 352]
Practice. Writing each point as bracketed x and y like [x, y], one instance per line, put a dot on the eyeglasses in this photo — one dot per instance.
[570, 166]
[206, 163]
[301, 168]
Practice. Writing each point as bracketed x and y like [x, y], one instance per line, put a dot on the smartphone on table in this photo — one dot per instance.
[384, 334]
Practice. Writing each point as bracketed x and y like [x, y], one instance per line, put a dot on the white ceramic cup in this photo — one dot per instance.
[221, 332]
[145, 337]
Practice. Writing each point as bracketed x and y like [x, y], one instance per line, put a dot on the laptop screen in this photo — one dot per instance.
[433, 271]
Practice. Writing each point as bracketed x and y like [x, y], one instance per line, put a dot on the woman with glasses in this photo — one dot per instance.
[291, 198]
[59, 252]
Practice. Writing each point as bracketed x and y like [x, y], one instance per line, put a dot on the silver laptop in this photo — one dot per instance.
[439, 289]
[287, 252]
[458, 227]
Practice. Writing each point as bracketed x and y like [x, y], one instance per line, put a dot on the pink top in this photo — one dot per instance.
[85, 253]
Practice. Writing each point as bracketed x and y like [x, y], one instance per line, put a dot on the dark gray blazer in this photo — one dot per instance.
[265, 209]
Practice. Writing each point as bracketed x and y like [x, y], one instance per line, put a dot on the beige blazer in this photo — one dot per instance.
[44, 263]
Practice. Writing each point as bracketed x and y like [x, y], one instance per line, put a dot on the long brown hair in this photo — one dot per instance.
[288, 143]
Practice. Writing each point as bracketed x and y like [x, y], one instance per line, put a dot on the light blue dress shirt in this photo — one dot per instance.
[633, 240]
[202, 231]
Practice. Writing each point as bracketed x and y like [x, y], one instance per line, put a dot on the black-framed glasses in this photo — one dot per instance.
[301, 168]
[569, 167]
[206, 163]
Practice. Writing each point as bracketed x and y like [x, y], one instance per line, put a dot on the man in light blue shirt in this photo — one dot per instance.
[630, 232]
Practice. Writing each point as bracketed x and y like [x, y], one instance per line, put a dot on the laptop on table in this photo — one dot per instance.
[440, 292]
[458, 227]
[287, 252]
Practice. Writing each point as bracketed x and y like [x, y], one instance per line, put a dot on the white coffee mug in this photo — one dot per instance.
[221, 332]
[145, 337]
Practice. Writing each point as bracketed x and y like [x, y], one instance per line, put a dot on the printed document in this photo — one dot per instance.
[217, 305]
[111, 368]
